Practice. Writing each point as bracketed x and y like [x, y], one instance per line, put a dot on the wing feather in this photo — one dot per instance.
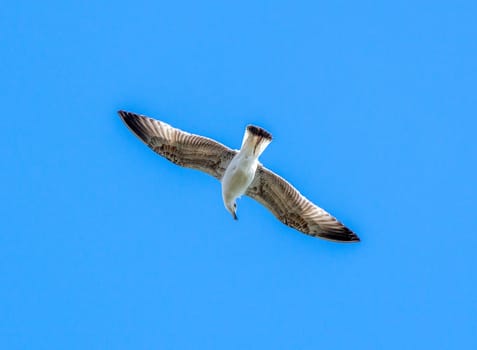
[180, 147]
[294, 210]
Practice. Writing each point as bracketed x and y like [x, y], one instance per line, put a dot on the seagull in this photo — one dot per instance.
[239, 172]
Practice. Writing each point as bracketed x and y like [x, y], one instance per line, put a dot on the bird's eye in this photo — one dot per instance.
[235, 205]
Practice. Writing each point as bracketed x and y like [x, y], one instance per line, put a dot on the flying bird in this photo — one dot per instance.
[239, 172]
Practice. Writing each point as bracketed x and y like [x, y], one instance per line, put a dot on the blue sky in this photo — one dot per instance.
[372, 105]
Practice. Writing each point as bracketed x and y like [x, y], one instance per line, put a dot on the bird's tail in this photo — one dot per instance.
[255, 140]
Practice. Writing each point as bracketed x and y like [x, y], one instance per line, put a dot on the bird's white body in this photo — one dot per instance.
[240, 172]
[238, 176]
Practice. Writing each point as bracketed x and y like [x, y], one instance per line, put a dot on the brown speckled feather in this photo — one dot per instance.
[180, 147]
[294, 210]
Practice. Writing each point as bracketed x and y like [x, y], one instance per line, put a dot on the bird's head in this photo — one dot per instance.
[232, 208]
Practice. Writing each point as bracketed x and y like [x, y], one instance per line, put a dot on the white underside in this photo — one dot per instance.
[241, 171]
[238, 176]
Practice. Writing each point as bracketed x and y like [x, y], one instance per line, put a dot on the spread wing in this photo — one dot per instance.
[180, 147]
[294, 210]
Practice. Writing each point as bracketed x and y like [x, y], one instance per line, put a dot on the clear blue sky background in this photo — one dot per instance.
[104, 245]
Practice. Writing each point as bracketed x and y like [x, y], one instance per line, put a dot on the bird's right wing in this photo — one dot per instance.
[294, 210]
[180, 147]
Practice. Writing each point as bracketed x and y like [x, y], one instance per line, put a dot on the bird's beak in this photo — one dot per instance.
[235, 216]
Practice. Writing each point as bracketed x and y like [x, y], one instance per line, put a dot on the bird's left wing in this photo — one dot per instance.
[180, 147]
[294, 210]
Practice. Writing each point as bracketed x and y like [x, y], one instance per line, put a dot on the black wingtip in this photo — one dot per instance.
[345, 235]
[354, 239]
[125, 114]
[351, 236]
[135, 123]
